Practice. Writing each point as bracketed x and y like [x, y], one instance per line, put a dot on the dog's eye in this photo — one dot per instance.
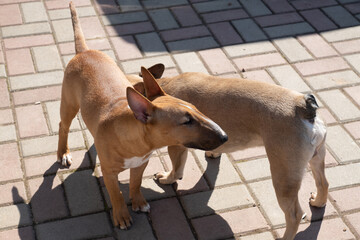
[188, 121]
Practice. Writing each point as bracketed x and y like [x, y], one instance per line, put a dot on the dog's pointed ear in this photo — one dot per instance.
[152, 88]
[140, 87]
[157, 70]
[141, 107]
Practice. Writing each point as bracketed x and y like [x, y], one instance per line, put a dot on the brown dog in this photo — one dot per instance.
[126, 126]
[253, 114]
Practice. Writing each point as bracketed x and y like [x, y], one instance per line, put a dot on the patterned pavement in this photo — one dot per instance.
[305, 45]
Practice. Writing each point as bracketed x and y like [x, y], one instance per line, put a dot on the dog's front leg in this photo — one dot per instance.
[138, 201]
[121, 214]
[178, 155]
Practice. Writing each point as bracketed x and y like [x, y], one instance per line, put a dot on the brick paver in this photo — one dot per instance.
[307, 46]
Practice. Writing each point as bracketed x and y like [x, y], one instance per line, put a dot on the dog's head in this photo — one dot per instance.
[171, 121]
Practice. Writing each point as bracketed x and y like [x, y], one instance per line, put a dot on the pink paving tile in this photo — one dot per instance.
[184, 33]
[106, 6]
[326, 116]
[12, 193]
[2, 60]
[28, 41]
[354, 129]
[18, 234]
[125, 47]
[225, 225]
[321, 66]
[318, 20]
[192, 181]
[346, 199]
[170, 72]
[37, 95]
[4, 94]
[259, 75]
[354, 220]
[31, 121]
[217, 61]
[17, 66]
[10, 162]
[249, 153]
[224, 15]
[186, 16]
[278, 19]
[351, 46]
[6, 116]
[47, 198]
[57, 4]
[97, 44]
[169, 221]
[14, 1]
[92, 27]
[10, 15]
[131, 28]
[330, 161]
[317, 46]
[225, 33]
[354, 92]
[48, 164]
[259, 61]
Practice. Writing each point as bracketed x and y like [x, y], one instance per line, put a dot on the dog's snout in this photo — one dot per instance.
[224, 138]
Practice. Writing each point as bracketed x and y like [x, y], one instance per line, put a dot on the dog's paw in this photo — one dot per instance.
[165, 177]
[143, 208]
[122, 218]
[65, 160]
[139, 204]
[315, 200]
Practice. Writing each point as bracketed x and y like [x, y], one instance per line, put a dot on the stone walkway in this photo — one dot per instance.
[305, 45]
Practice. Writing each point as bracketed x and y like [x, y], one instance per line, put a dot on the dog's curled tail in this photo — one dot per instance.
[80, 44]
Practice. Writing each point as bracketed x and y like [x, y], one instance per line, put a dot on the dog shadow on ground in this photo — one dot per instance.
[312, 231]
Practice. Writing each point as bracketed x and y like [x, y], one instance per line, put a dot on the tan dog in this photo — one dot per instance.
[253, 114]
[126, 126]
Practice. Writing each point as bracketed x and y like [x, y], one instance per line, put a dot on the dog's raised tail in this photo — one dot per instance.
[80, 44]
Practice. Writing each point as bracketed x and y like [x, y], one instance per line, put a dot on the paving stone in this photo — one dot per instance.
[278, 19]
[126, 48]
[340, 16]
[129, 5]
[220, 16]
[29, 9]
[215, 5]
[47, 198]
[28, 41]
[354, 93]
[8, 133]
[249, 153]
[186, 16]
[36, 80]
[342, 34]
[18, 234]
[134, 65]
[249, 30]
[288, 77]
[10, 162]
[13, 192]
[98, 44]
[184, 33]
[259, 75]
[323, 230]
[192, 44]
[37, 95]
[83, 193]
[122, 18]
[217, 61]
[36, 126]
[255, 169]
[318, 20]
[346, 47]
[89, 226]
[305, 4]
[354, 220]
[49, 144]
[225, 33]
[150, 4]
[26, 29]
[321, 66]
[326, 116]
[288, 30]
[353, 8]
[292, 49]
[141, 228]
[342, 144]
[218, 171]
[335, 79]
[47, 58]
[65, 13]
[336, 102]
[16, 215]
[10, 15]
[189, 62]
[343, 200]
[2, 70]
[225, 225]
[131, 28]
[6, 116]
[255, 7]
[317, 46]
[354, 129]
[15, 66]
[63, 30]
[58, 4]
[259, 61]
[107, 6]
[205, 203]
[279, 6]
[262, 236]
[169, 221]
[250, 48]
[163, 19]
[53, 111]
[151, 44]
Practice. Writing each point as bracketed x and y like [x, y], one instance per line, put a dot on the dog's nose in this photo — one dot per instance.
[224, 138]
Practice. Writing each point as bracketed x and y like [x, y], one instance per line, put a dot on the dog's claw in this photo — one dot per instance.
[146, 208]
[66, 160]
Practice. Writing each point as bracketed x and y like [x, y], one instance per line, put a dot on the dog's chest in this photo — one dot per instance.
[136, 161]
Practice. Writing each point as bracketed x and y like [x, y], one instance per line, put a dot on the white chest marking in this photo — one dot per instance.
[136, 161]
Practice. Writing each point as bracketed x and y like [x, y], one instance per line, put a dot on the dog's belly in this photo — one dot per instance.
[135, 162]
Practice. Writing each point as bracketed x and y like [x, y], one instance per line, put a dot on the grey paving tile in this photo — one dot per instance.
[151, 44]
[47, 58]
[53, 111]
[34, 12]
[289, 30]
[26, 29]
[340, 16]
[217, 5]
[343, 175]
[192, 44]
[133, 66]
[249, 48]
[292, 49]
[163, 19]
[337, 79]
[255, 169]
[129, 5]
[248, 30]
[189, 62]
[150, 4]
[255, 7]
[122, 18]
